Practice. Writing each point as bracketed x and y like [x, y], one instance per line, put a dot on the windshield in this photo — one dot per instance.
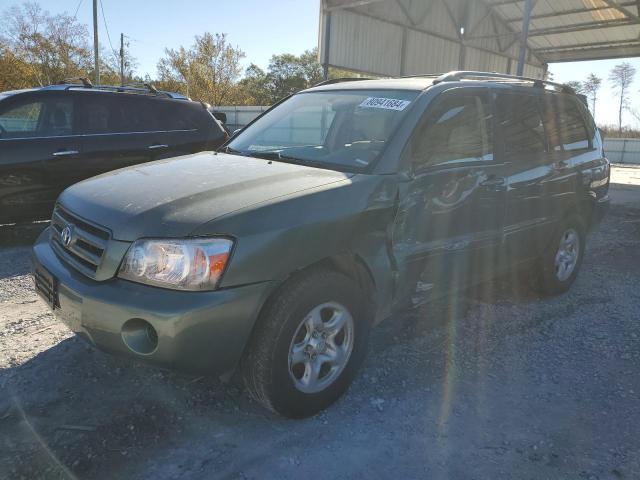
[342, 130]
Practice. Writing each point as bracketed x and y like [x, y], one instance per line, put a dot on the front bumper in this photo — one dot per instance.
[203, 332]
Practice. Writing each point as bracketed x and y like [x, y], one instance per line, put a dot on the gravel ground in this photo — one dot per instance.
[491, 385]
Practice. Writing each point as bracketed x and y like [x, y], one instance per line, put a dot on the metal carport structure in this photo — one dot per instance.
[412, 37]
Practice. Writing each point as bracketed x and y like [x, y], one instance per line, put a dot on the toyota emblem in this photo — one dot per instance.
[66, 235]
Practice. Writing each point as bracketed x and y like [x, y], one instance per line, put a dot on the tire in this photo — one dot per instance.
[280, 369]
[555, 271]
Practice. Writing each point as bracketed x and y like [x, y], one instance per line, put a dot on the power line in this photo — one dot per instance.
[106, 27]
[75, 15]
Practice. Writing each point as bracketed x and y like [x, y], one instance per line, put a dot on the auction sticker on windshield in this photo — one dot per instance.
[386, 103]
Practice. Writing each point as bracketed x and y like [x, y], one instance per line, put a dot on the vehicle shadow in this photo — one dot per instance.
[22, 234]
[83, 411]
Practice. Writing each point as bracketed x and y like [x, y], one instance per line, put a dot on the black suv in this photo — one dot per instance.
[55, 136]
[336, 208]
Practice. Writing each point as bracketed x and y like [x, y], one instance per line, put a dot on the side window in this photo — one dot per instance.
[57, 118]
[98, 115]
[172, 115]
[521, 124]
[573, 130]
[117, 113]
[135, 115]
[42, 118]
[20, 120]
[458, 128]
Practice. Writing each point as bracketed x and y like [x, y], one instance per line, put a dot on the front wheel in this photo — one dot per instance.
[558, 267]
[308, 344]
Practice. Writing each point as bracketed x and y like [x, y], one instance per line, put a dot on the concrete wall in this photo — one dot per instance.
[622, 150]
[238, 117]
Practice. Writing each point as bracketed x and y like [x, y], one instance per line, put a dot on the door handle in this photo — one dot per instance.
[561, 165]
[156, 147]
[65, 153]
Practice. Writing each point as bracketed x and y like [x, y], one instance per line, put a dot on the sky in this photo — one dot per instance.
[261, 29]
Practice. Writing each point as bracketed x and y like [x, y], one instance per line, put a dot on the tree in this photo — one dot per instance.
[14, 73]
[286, 74]
[54, 46]
[577, 86]
[38, 48]
[621, 77]
[206, 71]
[591, 86]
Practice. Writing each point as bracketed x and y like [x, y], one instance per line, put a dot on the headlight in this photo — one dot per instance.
[191, 264]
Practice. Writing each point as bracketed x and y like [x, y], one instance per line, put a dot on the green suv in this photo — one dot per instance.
[335, 208]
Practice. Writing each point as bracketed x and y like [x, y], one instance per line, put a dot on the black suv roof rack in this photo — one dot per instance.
[500, 77]
[144, 88]
[85, 81]
[340, 80]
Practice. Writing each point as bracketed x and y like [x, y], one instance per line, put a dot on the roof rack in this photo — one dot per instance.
[144, 88]
[340, 80]
[492, 76]
[85, 81]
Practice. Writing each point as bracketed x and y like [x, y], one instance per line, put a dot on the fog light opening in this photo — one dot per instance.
[140, 336]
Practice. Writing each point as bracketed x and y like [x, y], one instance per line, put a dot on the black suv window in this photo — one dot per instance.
[41, 118]
[458, 128]
[118, 113]
[520, 124]
[136, 115]
[175, 115]
[564, 124]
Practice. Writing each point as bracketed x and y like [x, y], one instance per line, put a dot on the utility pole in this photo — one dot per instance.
[122, 59]
[95, 41]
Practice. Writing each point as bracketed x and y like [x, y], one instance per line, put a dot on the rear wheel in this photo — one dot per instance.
[309, 343]
[558, 267]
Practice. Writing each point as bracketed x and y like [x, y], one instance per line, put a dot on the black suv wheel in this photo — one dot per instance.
[558, 267]
[308, 345]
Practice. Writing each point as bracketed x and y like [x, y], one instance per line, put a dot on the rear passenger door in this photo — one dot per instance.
[570, 145]
[180, 121]
[448, 229]
[524, 148]
[120, 130]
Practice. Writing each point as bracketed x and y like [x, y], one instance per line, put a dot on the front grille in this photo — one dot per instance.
[79, 242]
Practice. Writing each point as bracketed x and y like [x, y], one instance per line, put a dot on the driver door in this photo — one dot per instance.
[448, 229]
[38, 145]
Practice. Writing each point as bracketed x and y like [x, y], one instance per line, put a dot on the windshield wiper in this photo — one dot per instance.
[232, 151]
[274, 155]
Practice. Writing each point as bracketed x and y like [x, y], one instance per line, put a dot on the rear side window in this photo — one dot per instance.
[136, 115]
[51, 117]
[106, 114]
[564, 123]
[458, 128]
[520, 124]
[173, 115]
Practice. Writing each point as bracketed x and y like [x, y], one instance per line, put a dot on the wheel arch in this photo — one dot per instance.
[349, 264]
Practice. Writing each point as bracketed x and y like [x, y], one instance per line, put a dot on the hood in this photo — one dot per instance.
[170, 198]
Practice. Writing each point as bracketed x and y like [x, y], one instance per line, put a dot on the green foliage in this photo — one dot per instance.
[38, 48]
[206, 71]
[286, 74]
